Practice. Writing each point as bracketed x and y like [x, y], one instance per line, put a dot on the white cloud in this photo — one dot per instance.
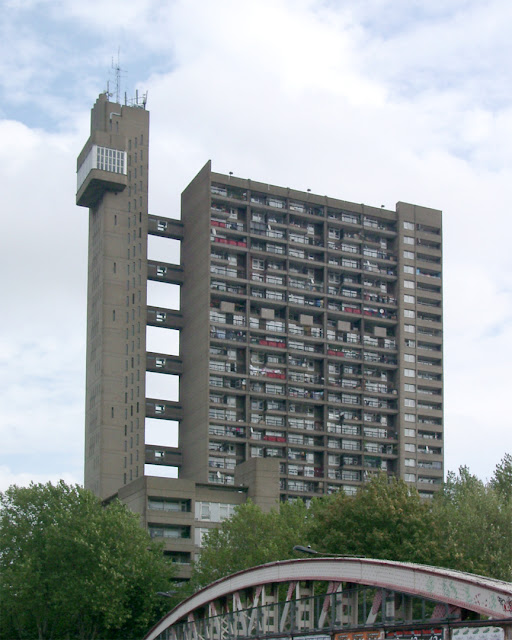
[9, 477]
[43, 259]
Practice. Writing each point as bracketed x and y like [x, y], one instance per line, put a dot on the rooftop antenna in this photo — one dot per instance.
[117, 71]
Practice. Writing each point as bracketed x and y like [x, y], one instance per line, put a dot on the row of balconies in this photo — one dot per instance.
[277, 444]
[235, 412]
[300, 210]
[301, 300]
[431, 267]
[258, 432]
[334, 303]
[261, 432]
[276, 388]
[283, 249]
[357, 386]
[296, 281]
[336, 350]
[271, 275]
[305, 424]
[271, 412]
[347, 385]
[311, 324]
[255, 433]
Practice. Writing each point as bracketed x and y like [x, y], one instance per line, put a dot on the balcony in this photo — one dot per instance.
[373, 223]
[227, 271]
[222, 239]
[226, 430]
[228, 192]
[426, 450]
[267, 372]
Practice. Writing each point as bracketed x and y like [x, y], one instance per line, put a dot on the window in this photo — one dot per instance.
[410, 417]
[408, 269]
[409, 477]
[225, 511]
[408, 313]
[274, 389]
[410, 447]
[410, 433]
[410, 343]
[199, 535]
[408, 240]
[409, 373]
[409, 226]
[409, 357]
[409, 255]
[410, 328]
[410, 462]
[409, 402]
[168, 531]
[168, 504]
[409, 387]
[104, 159]
[217, 316]
[409, 299]
[408, 284]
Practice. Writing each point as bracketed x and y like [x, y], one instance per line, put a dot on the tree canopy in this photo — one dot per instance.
[501, 480]
[386, 519]
[474, 522]
[71, 568]
[467, 526]
[250, 537]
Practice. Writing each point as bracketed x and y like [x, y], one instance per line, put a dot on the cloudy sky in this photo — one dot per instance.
[371, 101]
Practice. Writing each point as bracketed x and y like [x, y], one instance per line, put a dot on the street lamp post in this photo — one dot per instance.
[308, 549]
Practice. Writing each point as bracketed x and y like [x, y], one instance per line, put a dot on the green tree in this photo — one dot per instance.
[475, 525]
[71, 568]
[249, 538]
[501, 480]
[467, 526]
[385, 519]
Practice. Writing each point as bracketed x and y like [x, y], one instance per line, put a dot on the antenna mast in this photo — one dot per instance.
[117, 71]
[133, 102]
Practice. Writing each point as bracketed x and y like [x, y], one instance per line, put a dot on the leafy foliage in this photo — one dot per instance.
[70, 568]
[249, 538]
[384, 520]
[475, 525]
[502, 478]
[467, 526]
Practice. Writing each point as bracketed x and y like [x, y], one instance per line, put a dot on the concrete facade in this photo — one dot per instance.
[321, 323]
[310, 340]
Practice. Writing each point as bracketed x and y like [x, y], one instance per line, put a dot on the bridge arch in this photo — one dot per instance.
[450, 592]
